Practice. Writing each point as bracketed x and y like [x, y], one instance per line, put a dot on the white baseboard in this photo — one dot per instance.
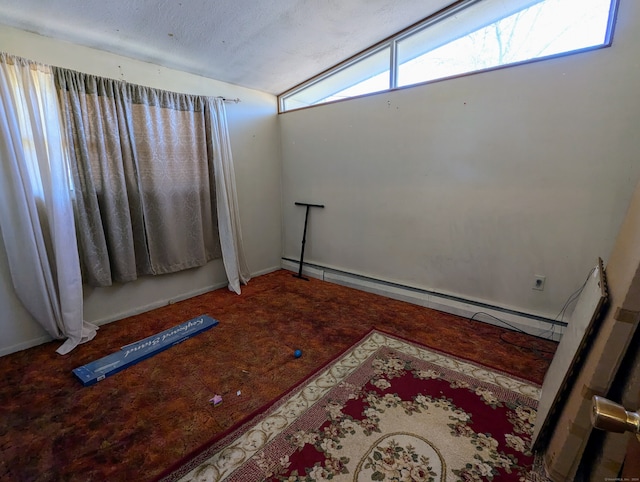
[184, 296]
[478, 310]
[157, 304]
[7, 350]
[265, 271]
[308, 271]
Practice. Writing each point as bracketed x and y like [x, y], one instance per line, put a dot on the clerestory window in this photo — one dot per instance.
[469, 36]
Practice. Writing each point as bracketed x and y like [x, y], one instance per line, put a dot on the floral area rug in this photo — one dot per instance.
[385, 410]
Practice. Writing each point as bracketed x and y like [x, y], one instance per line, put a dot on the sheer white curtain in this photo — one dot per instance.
[233, 257]
[36, 214]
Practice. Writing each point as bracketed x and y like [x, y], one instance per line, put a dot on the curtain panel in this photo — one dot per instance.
[36, 212]
[142, 162]
[227, 202]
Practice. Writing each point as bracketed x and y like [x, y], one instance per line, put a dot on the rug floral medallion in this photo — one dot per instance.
[386, 410]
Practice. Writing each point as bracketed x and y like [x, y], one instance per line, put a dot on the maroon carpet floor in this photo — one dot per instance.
[133, 425]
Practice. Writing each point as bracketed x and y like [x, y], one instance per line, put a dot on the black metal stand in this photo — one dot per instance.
[304, 236]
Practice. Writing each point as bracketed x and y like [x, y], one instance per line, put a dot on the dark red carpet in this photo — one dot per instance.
[142, 420]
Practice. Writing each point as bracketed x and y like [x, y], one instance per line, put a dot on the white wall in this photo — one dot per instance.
[472, 186]
[255, 145]
[17, 328]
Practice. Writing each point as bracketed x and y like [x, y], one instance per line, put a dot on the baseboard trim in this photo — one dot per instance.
[8, 350]
[530, 323]
[271, 269]
[160, 303]
[157, 304]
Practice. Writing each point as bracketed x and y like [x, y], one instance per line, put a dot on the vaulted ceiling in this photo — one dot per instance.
[269, 45]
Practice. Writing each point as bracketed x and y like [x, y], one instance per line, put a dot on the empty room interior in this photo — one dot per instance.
[461, 212]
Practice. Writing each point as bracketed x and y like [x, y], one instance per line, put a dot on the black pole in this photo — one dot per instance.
[304, 235]
[304, 241]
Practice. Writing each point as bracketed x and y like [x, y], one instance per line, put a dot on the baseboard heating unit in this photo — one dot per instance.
[532, 324]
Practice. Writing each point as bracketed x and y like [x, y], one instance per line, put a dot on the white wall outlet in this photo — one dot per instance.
[538, 282]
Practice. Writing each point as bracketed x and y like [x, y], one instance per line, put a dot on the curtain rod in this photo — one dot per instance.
[235, 101]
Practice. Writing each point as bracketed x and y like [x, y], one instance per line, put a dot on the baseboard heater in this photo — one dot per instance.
[136, 352]
[485, 312]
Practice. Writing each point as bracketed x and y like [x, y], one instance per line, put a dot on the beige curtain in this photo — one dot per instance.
[174, 149]
[142, 164]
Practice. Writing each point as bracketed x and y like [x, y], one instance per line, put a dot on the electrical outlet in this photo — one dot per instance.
[538, 282]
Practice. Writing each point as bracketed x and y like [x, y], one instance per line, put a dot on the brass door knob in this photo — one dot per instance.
[612, 417]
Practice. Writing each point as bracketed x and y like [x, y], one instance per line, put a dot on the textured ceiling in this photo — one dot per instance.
[266, 45]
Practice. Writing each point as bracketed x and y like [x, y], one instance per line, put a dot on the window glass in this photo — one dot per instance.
[363, 76]
[468, 37]
[545, 28]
